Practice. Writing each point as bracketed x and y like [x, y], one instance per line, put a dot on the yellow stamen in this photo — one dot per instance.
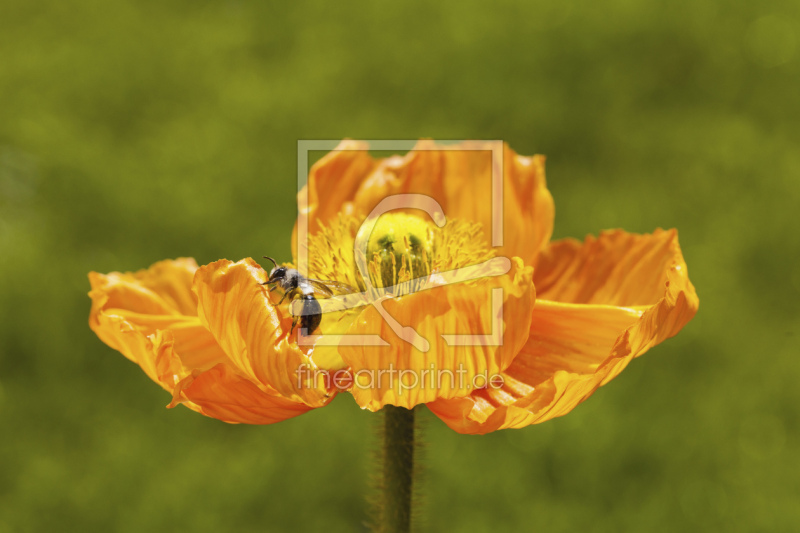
[403, 251]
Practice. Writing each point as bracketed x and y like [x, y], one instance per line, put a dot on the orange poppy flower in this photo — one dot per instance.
[497, 348]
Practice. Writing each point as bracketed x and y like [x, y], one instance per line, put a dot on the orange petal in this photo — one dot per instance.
[223, 394]
[618, 268]
[399, 374]
[253, 332]
[151, 317]
[128, 309]
[618, 296]
[460, 180]
[140, 348]
[163, 289]
[332, 184]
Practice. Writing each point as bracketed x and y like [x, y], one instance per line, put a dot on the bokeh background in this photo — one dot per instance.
[136, 131]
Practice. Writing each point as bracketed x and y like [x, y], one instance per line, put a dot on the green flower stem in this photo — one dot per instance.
[398, 469]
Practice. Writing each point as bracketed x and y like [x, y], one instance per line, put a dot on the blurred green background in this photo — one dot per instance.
[136, 131]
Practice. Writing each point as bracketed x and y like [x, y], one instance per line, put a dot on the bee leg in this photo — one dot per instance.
[294, 323]
[285, 294]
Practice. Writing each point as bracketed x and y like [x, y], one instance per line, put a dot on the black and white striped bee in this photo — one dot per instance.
[294, 285]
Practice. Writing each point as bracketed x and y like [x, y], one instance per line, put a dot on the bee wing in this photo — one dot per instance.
[327, 287]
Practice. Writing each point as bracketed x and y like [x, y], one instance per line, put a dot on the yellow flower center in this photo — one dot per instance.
[401, 251]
